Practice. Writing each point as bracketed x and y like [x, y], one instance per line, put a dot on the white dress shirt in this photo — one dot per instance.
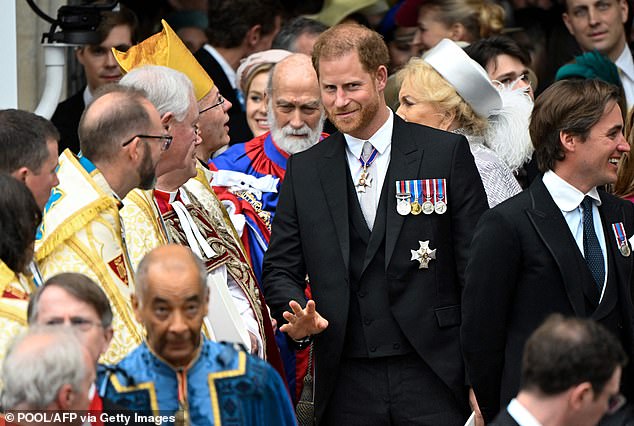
[382, 141]
[521, 415]
[568, 199]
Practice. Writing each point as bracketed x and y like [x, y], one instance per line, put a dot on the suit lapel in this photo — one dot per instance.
[611, 212]
[333, 174]
[405, 161]
[552, 228]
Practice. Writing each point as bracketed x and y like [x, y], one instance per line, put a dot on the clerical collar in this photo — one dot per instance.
[566, 196]
[380, 140]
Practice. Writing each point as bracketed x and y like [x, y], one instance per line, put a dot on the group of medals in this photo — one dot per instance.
[421, 196]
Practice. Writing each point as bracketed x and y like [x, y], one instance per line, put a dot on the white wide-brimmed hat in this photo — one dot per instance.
[466, 76]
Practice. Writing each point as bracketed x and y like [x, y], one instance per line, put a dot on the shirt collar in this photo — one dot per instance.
[87, 96]
[521, 415]
[228, 69]
[381, 140]
[566, 196]
[625, 63]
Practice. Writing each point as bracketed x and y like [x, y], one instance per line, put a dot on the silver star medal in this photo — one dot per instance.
[423, 255]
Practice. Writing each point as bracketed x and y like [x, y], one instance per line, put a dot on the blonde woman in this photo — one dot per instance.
[447, 90]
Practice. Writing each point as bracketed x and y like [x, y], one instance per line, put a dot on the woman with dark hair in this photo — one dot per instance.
[19, 218]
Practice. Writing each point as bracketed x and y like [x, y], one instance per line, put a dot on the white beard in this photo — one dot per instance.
[287, 138]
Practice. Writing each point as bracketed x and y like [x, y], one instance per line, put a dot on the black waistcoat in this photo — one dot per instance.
[371, 329]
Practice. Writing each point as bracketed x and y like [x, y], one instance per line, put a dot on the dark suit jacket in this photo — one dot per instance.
[311, 235]
[525, 265]
[238, 128]
[504, 419]
[66, 119]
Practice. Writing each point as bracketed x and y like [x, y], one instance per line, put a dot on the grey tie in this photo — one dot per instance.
[367, 199]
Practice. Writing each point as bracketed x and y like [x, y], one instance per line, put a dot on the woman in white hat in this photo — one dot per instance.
[447, 90]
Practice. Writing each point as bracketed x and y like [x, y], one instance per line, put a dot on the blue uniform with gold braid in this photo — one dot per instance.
[221, 386]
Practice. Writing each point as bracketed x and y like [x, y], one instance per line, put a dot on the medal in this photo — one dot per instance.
[621, 239]
[440, 205]
[365, 180]
[403, 207]
[423, 255]
[428, 206]
[403, 195]
[416, 207]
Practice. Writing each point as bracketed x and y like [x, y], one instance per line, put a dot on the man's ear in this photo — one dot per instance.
[166, 119]
[580, 395]
[568, 141]
[107, 334]
[21, 173]
[381, 78]
[65, 396]
[79, 54]
[566, 20]
[253, 36]
[136, 307]
[206, 302]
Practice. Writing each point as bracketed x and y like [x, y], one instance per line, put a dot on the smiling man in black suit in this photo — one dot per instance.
[561, 246]
[380, 216]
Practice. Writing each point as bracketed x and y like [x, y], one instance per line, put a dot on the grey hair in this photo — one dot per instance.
[169, 90]
[32, 379]
[141, 277]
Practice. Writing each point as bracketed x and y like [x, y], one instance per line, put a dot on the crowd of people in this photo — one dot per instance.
[381, 214]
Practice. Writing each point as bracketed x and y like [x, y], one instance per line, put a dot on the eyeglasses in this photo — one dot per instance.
[615, 402]
[167, 140]
[221, 101]
[79, 323]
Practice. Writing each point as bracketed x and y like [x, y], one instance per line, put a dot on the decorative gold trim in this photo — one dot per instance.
[149, 386]
[212, 377]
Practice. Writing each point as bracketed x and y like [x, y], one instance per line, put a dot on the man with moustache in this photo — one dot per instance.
[122, 138]
[296, 119]
[180, 212]
[386, 283]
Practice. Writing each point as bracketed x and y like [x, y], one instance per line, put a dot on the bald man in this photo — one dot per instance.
[190, 374]
[122, 139]
[296, 117]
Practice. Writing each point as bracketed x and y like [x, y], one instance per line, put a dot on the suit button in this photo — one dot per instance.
[396, 346]
[362, 294]
[367, 321]
[372, 348]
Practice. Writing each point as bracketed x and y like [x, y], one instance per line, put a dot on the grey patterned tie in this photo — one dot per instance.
[367, 199]
[591, 247]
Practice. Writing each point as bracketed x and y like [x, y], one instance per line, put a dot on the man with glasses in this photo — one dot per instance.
[182, 208]
[571, 371]
[75, 300]
[82, 229]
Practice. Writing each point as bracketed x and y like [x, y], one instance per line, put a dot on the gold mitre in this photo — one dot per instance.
[166, 49]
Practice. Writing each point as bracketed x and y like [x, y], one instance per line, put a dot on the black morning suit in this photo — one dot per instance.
[376, 299]
[525, 265]
[66, 119]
